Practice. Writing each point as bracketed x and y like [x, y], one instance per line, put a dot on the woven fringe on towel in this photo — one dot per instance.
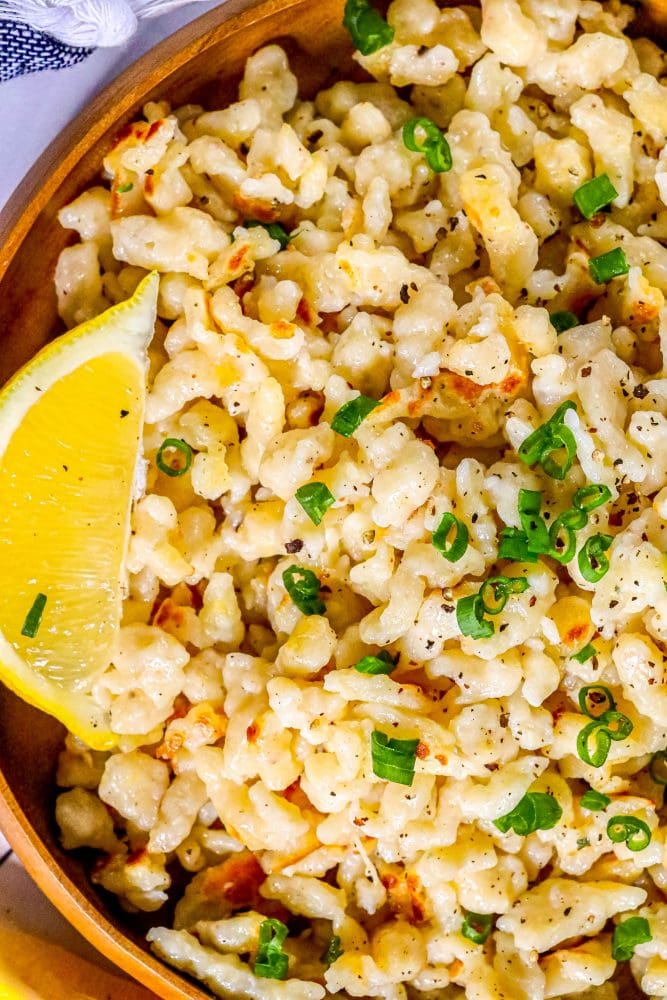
[24, 50]
[86, 23]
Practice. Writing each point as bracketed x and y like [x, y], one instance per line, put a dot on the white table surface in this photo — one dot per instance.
[33, 109]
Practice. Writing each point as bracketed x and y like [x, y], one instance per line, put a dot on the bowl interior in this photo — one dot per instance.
[201, 64]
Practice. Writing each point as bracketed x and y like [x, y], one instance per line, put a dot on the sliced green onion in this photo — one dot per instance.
[629, 830]
[627, 935]
[34, 617]
[368, 29]
[608, 265]
[562, 534]
[594, 195]
[535, 811]
[562, 540]
[611, 725]
[530, 505]
[315, 498]
[180, 446]
[495, 592]
[433, 145]
[531, 448]
[351, 414]
[562, 537]
[491, 599]
[271, 961]
[332, 952]
[574, 518]
[587, 653]
[562, 439]
[477, 926]
[657, 767]
[459, 543]
[594, 801]
[493, 596]
[548, 440]
[383, 663]
[274, 229]
[513, 584]
[593, 563]
[595, 699]
[124, 188]
[470, 618]
[393, 759]
[589, 497]
[514, 545]
[619, 726]
[303, 587]
[563, 320]
[594, 744]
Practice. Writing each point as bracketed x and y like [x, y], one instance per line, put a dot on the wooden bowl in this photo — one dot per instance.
[200, 63]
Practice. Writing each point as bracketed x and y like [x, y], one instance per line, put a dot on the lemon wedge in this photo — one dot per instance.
[70, 434]
[34, 969]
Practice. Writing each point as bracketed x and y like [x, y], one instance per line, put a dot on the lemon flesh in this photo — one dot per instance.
[34, 969]
[70, 433]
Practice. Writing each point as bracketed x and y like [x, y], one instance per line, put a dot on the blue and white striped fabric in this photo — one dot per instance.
[25, 50]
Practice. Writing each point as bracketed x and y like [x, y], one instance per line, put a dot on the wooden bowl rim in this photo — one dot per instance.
[116, 102]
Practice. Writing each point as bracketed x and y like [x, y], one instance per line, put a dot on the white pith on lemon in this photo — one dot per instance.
[70, 432]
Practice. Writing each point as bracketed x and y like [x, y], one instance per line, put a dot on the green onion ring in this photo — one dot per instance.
[599, 695]
[174, 444]
[593, 563]
[470, 618]
[457, 547]
[589, 497]
[658, 758]
[599, 734]
[634, 832]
